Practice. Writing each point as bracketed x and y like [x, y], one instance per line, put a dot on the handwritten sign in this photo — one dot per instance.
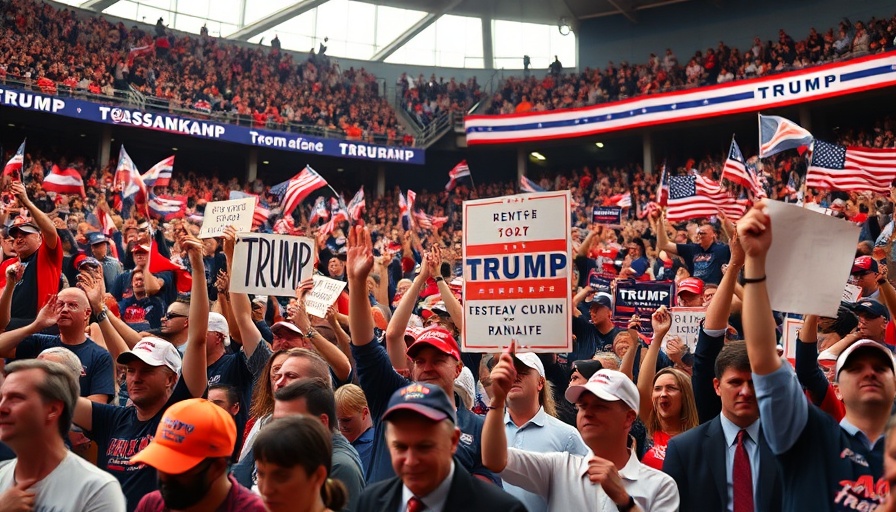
[686, 325]
[220, 214]
[517, 272]
[851, 293]
[611, 215]
[323, 295]
[266, 264]
[789, 337]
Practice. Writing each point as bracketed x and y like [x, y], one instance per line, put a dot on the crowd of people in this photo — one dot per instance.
[60, 50]
[665, 73]
[426, 100]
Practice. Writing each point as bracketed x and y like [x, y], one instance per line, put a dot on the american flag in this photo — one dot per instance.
[777, 134]
[404, 212]
[738, 172]
[357, 205]
[529, 186]
[128, 179]
[662, 187]
[461, 170]
[66, 181]
[338, 214]
[160, 174]
[620, 200]
[692, 197]
[851, 168]
[319, 211]
[295, 190]
[167, 207]
[13, 168]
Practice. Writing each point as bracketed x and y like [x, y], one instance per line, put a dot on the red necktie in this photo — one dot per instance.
[741, 475]
[415, 504]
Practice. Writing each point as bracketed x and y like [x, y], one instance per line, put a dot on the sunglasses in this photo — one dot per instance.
[172, 316]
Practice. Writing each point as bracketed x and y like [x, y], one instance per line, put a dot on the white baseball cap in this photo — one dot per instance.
[154, 352]
[608, 385]
[217, 323]
[850, 350]
[465, 387]
[531, 360]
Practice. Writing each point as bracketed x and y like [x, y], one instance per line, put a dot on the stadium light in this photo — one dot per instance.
[538, 156]
[599, 144]
[563, 26]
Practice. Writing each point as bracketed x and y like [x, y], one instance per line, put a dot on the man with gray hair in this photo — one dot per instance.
[37, 403]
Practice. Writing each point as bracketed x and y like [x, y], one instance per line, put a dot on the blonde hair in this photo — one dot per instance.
[546, 398]
[351, 397]
[688, 415]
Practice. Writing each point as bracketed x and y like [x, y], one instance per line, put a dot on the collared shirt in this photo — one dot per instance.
[751, 444]
[562, 478]
[543, 433]
[434, 501]
[858, 434]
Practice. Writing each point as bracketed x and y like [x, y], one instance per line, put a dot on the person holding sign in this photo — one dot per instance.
[824, 465]
[608, 477]
[436, 357]
[667, 399]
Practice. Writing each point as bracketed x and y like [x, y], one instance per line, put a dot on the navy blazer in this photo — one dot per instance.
[467, 494]
[696, 461]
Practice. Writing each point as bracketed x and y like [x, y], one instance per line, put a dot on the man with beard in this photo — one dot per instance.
[190, 452]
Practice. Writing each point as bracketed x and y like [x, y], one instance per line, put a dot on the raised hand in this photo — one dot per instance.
[737, 252]
[755, 231]
[359, 259]
[229, 242]
[193, 246]
[661, 321]
[93, 287]
[14, 273]
[49, 314]
[504, 374]
[18, 189]
[222, 282]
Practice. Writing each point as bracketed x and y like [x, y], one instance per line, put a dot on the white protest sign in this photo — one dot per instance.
[685, 325]
[789, 337]
[851, 293]
[220, 214]
[809, 260]
[323, 295]
[517, 271]
[266, 264]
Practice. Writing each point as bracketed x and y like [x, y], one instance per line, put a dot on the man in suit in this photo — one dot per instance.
[422, 437]
[714, 465]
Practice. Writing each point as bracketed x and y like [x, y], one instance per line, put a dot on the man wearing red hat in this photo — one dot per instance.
[690, 293]
[866, 275]
[190, 452]
[37, 248]
[436, 357]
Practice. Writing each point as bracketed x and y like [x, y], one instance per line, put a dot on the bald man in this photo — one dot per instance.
[70, 310]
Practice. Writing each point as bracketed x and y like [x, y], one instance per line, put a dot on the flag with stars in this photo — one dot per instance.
[692, 197]
[845, 168]
[736, 171]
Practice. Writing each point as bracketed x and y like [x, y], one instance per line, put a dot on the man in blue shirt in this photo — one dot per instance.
[824, 465]
[703, 259]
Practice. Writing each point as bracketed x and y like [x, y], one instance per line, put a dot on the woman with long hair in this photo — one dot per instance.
[293, 457]
[668, 407]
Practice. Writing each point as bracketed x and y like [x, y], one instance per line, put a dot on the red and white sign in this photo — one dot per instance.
[517, 271]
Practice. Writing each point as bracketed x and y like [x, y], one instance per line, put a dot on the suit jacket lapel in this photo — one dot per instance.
[461, 491]
[716, 453]
[391, 498]
[768, 472]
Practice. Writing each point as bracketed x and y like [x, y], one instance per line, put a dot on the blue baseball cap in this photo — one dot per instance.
[871, 307]
[427, 400]
[96, 238]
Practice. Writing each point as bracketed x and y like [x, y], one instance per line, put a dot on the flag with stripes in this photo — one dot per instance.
[357, 205]
[620, 200]
[404, 213]
[66, 181]
[738, 172]
[292, 192]
[160, 174]
[338, 214]
[461, 170]
[662, 187]
[529, 186]
[692, 197]
[106, 223]
[845, 168]
[128, 179]
[13, 167]
[777, 134]
[319, 211]
[167, 207]
[262, 211]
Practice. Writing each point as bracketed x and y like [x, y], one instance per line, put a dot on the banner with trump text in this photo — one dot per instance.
[517, 271]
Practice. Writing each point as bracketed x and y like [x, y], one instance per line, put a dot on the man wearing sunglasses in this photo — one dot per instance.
[174, 325]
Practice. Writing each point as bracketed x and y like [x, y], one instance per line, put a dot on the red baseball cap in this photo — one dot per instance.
[437, 337]
[690, 284]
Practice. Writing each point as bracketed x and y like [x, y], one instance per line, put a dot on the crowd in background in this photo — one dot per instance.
[426, 100]
[666, 72]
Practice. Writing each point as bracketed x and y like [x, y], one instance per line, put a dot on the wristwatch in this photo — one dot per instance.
[310, 334]
[628, 506]
[102, 315]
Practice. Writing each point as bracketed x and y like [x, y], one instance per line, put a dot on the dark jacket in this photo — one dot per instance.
[467, 493]
[696, 460]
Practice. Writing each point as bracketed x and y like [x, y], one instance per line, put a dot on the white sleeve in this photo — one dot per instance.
[531, 471]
